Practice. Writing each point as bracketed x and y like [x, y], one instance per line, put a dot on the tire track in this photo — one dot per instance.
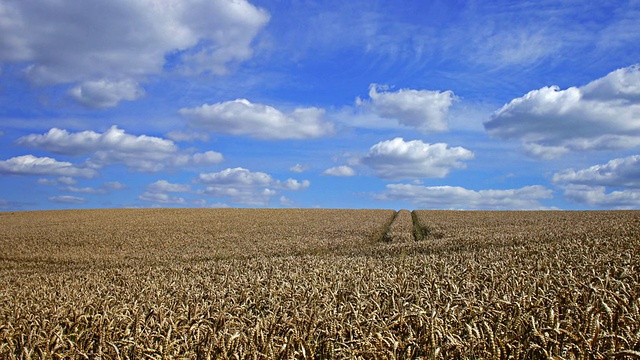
[401, 228]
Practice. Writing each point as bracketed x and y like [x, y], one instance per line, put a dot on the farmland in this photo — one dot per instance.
[292, 283]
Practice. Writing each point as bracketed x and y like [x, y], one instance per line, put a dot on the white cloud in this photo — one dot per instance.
[207, 157]
[161, 198]
[602, 115]
[31, 165]
[598, 197]
[299, 168]
[63, 42]
[424, 110]
[621, 172]
[342, 170]
[67, 199]
[242, 117]
[114, 146]
[236, 176]
[589, 186]
[157, 192]
[398, 159]
[245, 187]
[293, 184]
[453, 197]
[162, 186]
[106, 93]
[60, 141]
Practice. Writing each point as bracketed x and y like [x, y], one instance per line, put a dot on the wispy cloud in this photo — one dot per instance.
[67, 199]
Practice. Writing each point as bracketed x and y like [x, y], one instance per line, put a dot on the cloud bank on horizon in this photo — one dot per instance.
[218, 103]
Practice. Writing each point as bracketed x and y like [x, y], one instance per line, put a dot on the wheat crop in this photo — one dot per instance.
[401, 228]
[265, 284]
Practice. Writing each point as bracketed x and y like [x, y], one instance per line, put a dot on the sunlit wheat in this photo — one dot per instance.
[245, 283]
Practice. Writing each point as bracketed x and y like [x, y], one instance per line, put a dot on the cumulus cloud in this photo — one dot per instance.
[246, 187]
[298, 168]
[242, 117]
[589, 186]
[106, 93]
[621, 172]
[207, 157]
[59, 141]
[424, 110]
[342, 170]
[64, 42]
[67, 199]
[32, 165]
[597, 196]
[158, 192]
[293, 184]
[161, 186]
[602, 115]
[453, 197]
[114, 146]
[236, 176]
[398, 159]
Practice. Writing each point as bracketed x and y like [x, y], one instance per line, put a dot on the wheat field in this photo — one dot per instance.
[317, 283]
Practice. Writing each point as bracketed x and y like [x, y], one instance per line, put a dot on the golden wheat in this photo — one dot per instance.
[401, 228]
[232, 283]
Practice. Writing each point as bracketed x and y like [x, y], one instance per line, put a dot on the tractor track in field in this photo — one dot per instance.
[402, 228]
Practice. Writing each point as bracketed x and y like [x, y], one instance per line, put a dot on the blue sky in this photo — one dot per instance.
[331, 104]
